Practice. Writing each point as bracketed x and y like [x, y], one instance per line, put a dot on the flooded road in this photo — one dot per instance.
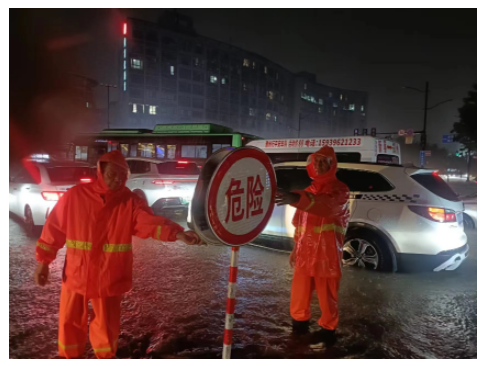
[176, 308]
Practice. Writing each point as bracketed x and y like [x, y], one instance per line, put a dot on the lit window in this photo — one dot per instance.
[136, 64]
[312, 99]
[125, 42]
[125, 75]
[125, 86]
[320, 110]
[362, 108]
[341, 97]
[124, 65]
[171, 70]
[124, 53]
[305, 86]
[275, 118]
[335, 105]
[270, 94]
[213, 79]
[245, 87]
[251, 112]
[330, 94]
[321, 101]
[265, 69]
[134, 108]
[253, 65]
[88, 105]
[223, 81]
[352, 107]
[152, 109]
[246, 62]
[268, 116]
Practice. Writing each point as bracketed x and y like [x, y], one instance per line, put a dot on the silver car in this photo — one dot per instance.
[165, 185]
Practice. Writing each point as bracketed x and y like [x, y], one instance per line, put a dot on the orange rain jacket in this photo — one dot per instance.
[97, 225]
[321, 220]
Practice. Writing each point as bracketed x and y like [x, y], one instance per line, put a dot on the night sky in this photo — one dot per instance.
[378, 51]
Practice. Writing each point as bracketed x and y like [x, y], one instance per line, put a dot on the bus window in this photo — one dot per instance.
[160, 151]
[194, 151]
[171, 151]
[111, 146]
[125, 149]
[387, 159]
[146, 150]
[216, 147]
[81, 153]
[134, 150]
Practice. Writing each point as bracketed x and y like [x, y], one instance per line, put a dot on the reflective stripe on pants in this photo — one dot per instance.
[104, 325]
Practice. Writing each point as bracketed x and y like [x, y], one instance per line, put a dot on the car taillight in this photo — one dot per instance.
[434, 213]
[52, 196]
[183, 162]
[162, 182]
[86, 180]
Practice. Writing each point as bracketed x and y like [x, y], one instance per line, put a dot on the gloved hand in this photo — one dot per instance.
[189, 238]
[286, 198]
[41, 274]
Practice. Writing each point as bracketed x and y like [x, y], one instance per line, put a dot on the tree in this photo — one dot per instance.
[466, 128]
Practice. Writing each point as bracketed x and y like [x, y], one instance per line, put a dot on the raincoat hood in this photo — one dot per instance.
[328, 152]
[114, 157]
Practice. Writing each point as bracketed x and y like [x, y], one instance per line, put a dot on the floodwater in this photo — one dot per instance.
[177, 305]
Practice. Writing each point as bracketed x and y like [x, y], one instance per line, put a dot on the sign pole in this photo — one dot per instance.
[230, 303]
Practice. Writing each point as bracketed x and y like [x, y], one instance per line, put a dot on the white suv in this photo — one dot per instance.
[401, 218]
[36, 188]
[165, 185]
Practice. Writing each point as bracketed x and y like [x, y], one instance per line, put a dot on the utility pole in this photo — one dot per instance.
[108, 87]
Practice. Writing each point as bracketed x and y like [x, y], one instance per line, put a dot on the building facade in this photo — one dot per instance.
[171, 74]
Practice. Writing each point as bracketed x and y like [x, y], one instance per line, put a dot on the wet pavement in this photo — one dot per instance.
[176, 308]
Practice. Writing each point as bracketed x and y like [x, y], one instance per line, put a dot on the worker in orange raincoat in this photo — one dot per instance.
[96, 222]
[320, 221]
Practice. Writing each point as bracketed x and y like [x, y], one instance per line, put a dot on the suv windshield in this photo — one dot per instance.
[437, 185]
[177, 168]
[292, 178]
[69, 173]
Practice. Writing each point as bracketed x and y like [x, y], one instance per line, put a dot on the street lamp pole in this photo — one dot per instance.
[108, 87]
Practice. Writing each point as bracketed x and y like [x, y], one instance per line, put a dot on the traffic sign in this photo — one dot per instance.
[422, 158]
[410, 132]
[401, 133]
[447, 139]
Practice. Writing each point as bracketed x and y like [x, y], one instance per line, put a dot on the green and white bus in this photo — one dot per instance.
[187, 142]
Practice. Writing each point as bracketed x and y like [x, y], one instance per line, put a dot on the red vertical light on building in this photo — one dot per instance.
[124, 29]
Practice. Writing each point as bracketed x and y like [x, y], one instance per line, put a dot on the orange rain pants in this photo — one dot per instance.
[327, 291]
[104, 325]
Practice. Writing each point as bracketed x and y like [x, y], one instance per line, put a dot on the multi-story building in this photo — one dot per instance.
[171, 74]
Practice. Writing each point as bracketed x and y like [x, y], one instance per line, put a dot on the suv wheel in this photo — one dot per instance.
[468, 222]
[366, 250]
[30, 227]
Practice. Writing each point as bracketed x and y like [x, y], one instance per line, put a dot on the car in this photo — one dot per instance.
[401, 218]
[163, 183]
[38, 185]
[470, 216]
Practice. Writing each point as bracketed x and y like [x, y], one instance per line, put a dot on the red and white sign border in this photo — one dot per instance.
[211, 213]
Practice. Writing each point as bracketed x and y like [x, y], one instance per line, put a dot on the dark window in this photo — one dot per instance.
[292, 179]
[68, 174]
[139, 167]
[387, 159]
[174, 168]
[437, 185]
[364, 181]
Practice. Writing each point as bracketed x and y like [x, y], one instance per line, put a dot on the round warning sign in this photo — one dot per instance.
[241, 196]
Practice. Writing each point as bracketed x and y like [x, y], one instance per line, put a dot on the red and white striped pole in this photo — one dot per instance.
[230, 303]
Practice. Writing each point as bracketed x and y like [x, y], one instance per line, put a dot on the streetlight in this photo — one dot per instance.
[108, 87]
[426, 109]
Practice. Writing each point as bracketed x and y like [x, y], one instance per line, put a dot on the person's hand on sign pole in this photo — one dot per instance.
[189, 238]
[286, 198]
